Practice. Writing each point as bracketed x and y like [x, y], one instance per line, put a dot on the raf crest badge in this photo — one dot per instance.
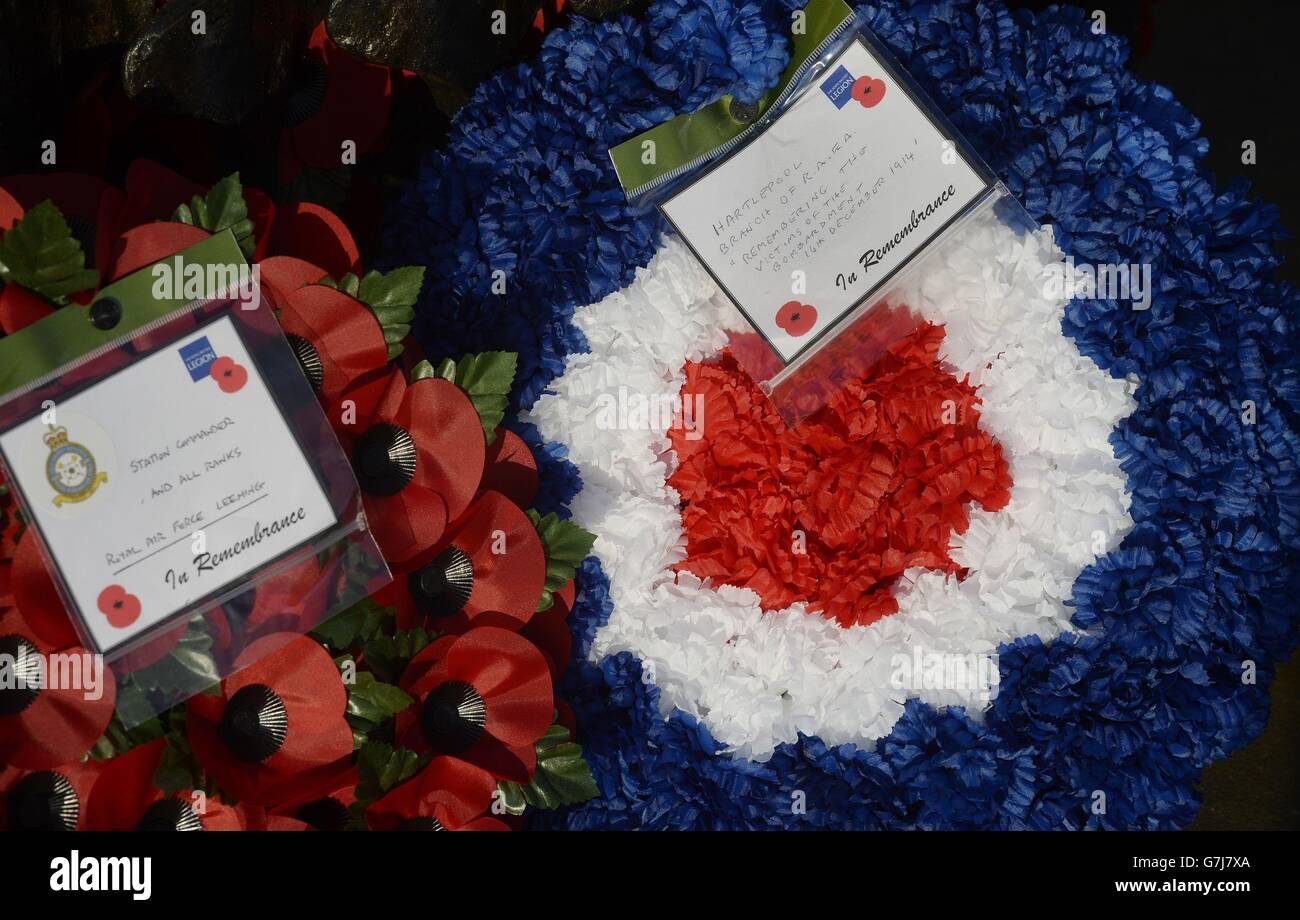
[70, 468]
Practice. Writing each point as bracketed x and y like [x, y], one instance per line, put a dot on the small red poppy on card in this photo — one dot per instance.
[868, 91]
[229, 374]
[121, 608]
[796, 318]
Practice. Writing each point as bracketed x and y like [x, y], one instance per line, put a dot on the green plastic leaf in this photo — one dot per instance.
[349, 284]
[387, 656]
[566, 545]
[487, 379]
[223, 208]
[371, 702]
[446, 370]
[353, 626]
[380, 767]
[562, 778]
[189, 664]
[391, 297]
[512, 797]
[41, 254]
[177, 768]
[104, 749]
[133, 704]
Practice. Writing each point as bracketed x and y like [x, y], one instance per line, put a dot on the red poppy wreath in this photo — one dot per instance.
[431, 704]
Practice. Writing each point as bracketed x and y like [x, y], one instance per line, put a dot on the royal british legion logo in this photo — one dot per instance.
[838, 87]
[197, 355]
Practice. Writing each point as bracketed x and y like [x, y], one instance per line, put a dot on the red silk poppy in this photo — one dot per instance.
[43, 726]
[510, 469]
[11, 209]
[36, 596]
[153, 192]
[274, 720]
[337, 339]
[50, 799]
[292, 601]
[141, 246]
[311, 232]
[340, 98]
[419, 460]
[20, 308]
[488, 570]
[282, 275]
[483, 698]
[549, 631]
[835, 511]
[448, 794]
[11, 526]
[322, 797]
[270, 822]
[126, 799]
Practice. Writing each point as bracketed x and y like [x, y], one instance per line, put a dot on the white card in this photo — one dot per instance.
[846, 185]
[185, 441]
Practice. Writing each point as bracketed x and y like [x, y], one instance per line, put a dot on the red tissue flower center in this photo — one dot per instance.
[832, 513]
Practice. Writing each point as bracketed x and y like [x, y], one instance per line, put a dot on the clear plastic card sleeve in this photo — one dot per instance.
[821, 209]
[190, 500]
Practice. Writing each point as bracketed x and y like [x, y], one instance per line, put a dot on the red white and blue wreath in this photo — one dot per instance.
[1110, 505]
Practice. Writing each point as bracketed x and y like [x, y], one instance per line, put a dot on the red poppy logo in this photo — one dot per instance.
[229, 375]
[796, 318]
[868, 91]
[121, 608]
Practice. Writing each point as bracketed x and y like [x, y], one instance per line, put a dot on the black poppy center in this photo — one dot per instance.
[421, 824]
[43, 801]
[308, 359]
[254, 723]
[309, 83]
[170, 814]
[20, 674]
[453, 717]
[327, 814]
[443, 587]
[384, 459]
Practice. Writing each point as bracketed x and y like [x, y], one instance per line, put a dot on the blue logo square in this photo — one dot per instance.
[838, 87]
[197, 356]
